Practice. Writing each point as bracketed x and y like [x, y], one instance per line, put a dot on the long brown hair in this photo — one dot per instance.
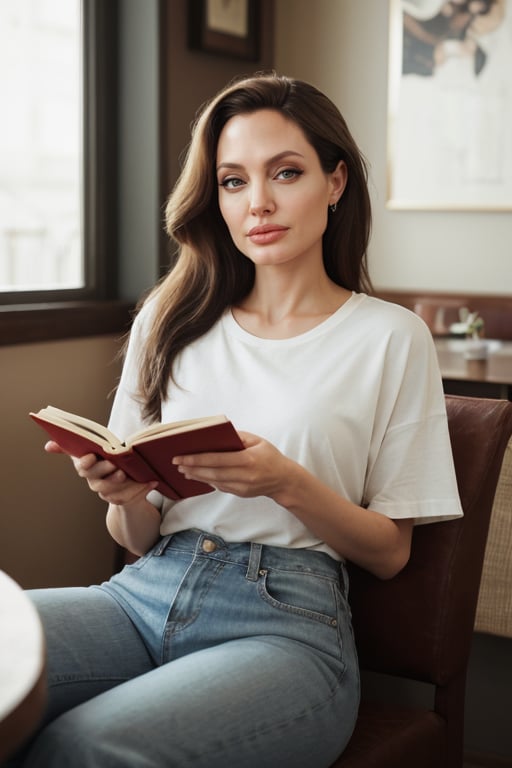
[210, 273]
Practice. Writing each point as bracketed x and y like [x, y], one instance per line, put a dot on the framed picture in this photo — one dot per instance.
[225, 27]
[450, 105]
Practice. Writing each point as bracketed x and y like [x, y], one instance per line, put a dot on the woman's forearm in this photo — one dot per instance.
[135, 526]
[369, 539]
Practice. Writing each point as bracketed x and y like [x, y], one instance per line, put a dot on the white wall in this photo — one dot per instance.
[341, 46]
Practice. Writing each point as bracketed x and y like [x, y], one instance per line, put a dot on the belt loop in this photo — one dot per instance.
[254, 562]
[161, 546]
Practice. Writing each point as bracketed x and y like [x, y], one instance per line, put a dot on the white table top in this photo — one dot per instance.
[21, 646]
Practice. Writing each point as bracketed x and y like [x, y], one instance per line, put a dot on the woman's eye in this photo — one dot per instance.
[289, 173]
[232, 183]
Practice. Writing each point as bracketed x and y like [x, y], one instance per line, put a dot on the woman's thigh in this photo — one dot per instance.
[91, 645]
[263, 701]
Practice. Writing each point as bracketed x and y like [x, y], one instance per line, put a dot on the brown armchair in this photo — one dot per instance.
[419, 625]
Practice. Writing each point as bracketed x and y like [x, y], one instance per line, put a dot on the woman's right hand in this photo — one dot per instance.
[132, 521]
[111, 484]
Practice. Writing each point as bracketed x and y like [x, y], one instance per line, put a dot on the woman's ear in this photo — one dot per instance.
[339, 178]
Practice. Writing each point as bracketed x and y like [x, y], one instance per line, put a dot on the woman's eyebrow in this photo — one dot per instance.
[270, 161]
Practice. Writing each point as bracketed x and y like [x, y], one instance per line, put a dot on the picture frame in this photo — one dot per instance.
[225, 27]
[449, 141]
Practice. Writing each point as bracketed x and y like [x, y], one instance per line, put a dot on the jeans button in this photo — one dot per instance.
[208, 545]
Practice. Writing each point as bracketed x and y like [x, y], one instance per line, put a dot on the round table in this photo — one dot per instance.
[22, 667]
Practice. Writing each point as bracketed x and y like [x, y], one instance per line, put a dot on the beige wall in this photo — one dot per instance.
[52, 529]
[342, 47]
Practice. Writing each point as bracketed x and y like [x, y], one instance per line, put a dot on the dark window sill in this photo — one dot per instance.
[29, 323]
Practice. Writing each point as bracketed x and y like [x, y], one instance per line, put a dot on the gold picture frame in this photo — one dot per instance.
[225, 27]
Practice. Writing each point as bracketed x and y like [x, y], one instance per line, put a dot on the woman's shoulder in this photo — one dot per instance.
[392, 317]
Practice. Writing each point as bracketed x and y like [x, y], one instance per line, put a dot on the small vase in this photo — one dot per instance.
[476, 349]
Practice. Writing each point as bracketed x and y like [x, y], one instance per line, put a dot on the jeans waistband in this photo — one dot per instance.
[250, 555]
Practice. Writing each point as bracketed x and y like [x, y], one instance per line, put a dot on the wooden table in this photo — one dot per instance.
[22, 667]
[490, 377]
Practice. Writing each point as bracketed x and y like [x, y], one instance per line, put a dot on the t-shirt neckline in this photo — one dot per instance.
[346, 309]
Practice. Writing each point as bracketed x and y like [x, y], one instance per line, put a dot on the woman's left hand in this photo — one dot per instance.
[374, 541]
[259, 470]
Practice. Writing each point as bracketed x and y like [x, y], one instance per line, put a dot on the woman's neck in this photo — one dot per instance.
[278, 307]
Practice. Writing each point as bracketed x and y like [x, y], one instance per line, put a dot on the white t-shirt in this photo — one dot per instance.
[357, 400]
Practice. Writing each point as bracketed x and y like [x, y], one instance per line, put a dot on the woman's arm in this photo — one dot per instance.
[368, 538]
[135, 526]
[132, 521]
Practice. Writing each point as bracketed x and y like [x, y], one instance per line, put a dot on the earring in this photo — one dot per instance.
[333, 207]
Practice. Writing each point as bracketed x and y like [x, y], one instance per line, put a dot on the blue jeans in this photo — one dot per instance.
[203, 654]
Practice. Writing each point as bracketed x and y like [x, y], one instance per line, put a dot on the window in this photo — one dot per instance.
[40, 145]
[58, 171]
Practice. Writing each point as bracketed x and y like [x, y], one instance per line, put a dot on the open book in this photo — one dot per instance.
[146, 455]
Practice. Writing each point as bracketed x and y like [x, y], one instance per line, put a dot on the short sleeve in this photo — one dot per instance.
[411, 472]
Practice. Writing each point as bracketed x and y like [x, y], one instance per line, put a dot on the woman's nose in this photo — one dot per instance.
[261, 201]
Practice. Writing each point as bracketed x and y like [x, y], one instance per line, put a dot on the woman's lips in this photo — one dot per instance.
[268, 233]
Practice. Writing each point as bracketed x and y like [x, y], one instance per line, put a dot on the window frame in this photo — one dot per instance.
[50, 314]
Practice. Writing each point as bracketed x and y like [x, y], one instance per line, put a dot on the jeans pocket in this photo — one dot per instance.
[303, 594]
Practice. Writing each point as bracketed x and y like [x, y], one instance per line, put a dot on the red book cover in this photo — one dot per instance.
[158, 454]
[148, 457]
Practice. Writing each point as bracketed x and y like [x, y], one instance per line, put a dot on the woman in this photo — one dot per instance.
[229, 643]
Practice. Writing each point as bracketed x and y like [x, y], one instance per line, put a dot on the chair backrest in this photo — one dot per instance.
[419, 625]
